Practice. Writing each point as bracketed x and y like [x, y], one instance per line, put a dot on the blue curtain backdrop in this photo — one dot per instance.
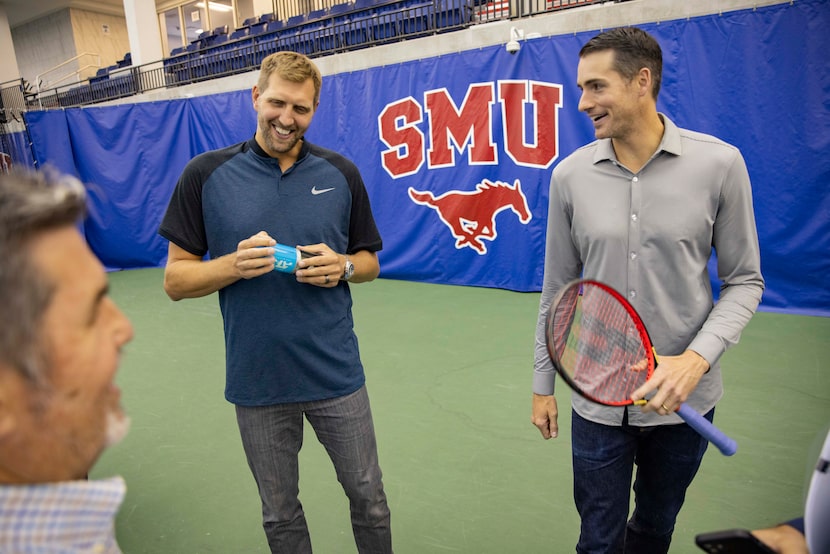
[457, 150]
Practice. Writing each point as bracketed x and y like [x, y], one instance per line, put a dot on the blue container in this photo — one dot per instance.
[286, 258]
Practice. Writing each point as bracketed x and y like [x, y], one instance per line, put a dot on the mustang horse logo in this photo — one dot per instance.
[471, 215]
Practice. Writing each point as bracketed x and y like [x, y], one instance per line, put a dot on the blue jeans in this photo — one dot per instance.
[667, 459]
[272, 437]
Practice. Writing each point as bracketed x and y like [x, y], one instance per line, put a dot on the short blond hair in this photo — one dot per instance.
[293, 67]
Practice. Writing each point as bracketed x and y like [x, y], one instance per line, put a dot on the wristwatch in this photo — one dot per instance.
[348, 270]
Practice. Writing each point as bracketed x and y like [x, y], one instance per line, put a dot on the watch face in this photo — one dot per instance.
[348, 271]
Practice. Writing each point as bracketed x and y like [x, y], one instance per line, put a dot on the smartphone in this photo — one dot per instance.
[731, 541]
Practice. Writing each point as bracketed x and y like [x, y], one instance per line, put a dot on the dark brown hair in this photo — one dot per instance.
[633, 49]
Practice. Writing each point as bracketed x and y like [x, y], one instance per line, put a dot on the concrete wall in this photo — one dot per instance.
[8, 67]
[50, 41]
[44, 44]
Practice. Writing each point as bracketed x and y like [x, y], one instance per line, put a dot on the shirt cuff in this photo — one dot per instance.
[708, 346]
[543, 382]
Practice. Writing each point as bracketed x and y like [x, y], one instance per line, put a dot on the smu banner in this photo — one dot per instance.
[458, 162]
[457, 150]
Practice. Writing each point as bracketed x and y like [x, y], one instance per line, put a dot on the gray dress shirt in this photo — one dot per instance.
[650, 235]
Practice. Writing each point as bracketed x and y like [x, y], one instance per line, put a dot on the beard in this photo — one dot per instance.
[275, 145]
[118, 425]
[280, 146]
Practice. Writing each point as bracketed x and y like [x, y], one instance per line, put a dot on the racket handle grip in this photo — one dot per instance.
[707, 430]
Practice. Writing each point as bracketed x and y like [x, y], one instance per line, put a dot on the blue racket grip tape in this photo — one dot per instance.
[285, 258]
[726, 445]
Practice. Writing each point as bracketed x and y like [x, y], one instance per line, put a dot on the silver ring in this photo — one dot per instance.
[327, 279]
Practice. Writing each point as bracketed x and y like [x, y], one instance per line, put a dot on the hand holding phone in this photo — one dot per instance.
[732, 541]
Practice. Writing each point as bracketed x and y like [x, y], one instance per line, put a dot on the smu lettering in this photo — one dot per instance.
[527, 107]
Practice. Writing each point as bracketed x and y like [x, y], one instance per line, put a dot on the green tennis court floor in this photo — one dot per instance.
[449, 373]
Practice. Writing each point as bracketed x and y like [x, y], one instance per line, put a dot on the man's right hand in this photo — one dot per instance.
[254, 256]
[187, 275]
[544, 415]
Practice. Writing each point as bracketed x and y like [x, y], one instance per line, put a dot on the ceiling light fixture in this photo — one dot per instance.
[215, 6]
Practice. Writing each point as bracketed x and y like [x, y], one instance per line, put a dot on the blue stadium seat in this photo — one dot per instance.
[297, 40]
[258, 28]
[218, 59]
[364, 5]
[236, 48]
[316, 15]
[96, 83]
[452, 13]
[275, 26]
[385, 26]
[357, 32]
[175, 67]
[394, 5]
[339, 14]
[416, 17]
[267, 42]
[242, 32]
[296, 20]
[324, 35]
[337, 11]
[122, 83]
[214, 37]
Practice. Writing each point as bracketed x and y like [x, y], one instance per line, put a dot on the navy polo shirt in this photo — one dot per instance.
[285, 341]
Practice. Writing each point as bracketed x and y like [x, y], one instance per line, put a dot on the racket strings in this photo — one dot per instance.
[597, 344]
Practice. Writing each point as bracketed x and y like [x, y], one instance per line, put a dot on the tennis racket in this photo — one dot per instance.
[599, 345]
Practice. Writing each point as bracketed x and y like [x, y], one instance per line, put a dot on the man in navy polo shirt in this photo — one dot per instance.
[291, 351]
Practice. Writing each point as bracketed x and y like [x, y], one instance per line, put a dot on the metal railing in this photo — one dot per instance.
[12, 99]
[76, 73]
[12, 107]
[219, 56]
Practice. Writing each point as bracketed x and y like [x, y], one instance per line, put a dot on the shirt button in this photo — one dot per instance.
[632, 293]
[633, 217]
[635, 180]
[633, 255]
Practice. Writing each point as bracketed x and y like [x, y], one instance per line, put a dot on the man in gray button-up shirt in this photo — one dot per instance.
[641, 209]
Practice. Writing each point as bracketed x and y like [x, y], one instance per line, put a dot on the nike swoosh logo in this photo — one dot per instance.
[315, 191]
